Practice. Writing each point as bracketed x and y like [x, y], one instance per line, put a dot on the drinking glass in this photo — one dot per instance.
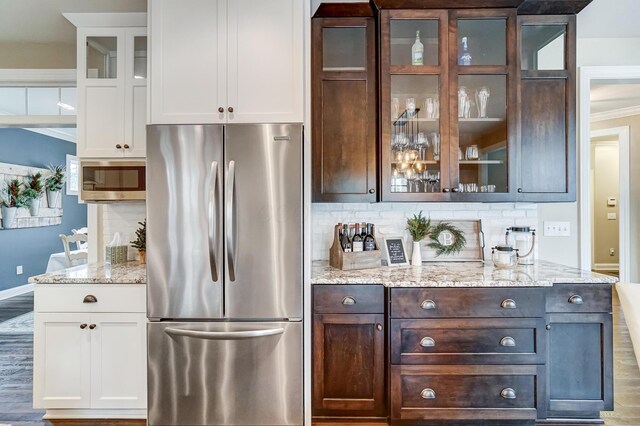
[466, 113]
[463, 97]
[482, 100]
[395, 108]
[411, 107]
[472, 152]
[423, 145]
[435, 141]
[430, 108]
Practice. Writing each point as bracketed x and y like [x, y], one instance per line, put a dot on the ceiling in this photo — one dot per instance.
[41, 21]
[612, 95]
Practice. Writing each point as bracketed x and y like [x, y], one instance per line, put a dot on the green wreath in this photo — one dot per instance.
[459, 241]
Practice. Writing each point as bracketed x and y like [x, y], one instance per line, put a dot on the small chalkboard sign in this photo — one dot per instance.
[395, 251]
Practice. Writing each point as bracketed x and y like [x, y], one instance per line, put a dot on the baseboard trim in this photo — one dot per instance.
[606, 267]
[15, 291]
[53, 414]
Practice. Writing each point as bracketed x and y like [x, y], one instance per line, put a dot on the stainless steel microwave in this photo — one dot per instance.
[112, 180]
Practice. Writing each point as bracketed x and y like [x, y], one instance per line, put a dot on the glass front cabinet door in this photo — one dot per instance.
[448, 105]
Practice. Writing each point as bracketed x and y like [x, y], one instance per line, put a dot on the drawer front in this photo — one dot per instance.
[80, 298]
[468, 341]
[467, 302]
[343, 299]
[571, 298]
[465, 392]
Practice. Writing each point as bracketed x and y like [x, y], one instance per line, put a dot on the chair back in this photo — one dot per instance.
[79, 244]
[69, 239]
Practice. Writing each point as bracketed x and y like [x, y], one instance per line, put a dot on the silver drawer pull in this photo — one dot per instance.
[90, 298]
[508, 341]
[576, 299]
[348, 300]
[427, 342]
[508, 393]
[428, 393]
[428, 304]
[508, 304]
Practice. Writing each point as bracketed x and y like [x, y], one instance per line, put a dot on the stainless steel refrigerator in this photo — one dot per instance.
[224, 274]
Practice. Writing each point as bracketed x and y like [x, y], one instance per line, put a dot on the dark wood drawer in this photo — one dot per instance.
[509, 392]
[467, 302]
[343, 299]
[569, 298]
[468, 341]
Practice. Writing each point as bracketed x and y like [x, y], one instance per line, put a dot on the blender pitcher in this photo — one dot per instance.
[523, 238]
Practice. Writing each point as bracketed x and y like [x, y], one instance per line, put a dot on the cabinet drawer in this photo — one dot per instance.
[467, 302]
[465, 392]
[579, 298]
[468, 341]
[71, 298]
[342, 299]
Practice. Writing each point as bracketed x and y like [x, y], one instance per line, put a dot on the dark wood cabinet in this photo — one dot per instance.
[344, 104]
[547, 143]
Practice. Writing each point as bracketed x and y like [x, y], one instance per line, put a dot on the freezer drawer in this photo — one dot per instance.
[228, 373]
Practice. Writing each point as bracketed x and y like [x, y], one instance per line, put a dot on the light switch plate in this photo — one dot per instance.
[19, 270]
[611, 216]
[611, 202]
[557, 229]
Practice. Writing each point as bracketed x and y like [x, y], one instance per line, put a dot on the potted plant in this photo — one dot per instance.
[12, 198]
[419, 227]
[140, 243]
[54, 183]
[33, 191]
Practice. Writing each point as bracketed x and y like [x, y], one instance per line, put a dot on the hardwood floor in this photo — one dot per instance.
[16, 369]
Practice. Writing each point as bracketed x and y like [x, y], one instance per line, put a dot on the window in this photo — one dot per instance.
[72, 174]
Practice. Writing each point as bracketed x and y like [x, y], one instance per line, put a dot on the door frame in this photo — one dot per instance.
[586, 76]
[623, 136]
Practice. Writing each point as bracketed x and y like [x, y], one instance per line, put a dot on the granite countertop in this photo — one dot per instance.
[458, 274]
[96, 273]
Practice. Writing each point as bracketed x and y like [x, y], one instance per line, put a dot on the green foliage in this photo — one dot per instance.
[141, 237]
[56, 180]
[418, 226]
[34, 182]
[459, 241]
[30, 195]
[13, 195]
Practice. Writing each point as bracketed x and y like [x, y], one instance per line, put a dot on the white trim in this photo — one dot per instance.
[37, 121]
[94, 414]
[15, 291]
[93, 20]
[615, 113]
[37, 77]
[54, 133]
[606, 267]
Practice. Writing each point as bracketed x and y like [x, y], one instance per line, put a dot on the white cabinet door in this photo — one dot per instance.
[118, 361]
[265, 61]
[188, 61]
[135, 101]
[61, 361]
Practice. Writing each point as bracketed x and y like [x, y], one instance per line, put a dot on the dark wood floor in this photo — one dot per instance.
[16, 370]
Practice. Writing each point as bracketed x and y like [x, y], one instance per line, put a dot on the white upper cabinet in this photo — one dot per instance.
[112, 80]
[226, 61]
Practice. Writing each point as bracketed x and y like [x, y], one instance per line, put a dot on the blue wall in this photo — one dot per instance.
[31, 247]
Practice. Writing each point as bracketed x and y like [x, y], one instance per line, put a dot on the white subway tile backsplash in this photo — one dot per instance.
[391, 219]
[122, 218]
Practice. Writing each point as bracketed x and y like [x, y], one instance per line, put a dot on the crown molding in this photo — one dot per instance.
[37, 77]
[95, 20]
[615, 113]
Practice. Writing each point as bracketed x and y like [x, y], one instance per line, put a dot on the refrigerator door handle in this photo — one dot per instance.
[213, 220]
[232, 222]
[224, 335]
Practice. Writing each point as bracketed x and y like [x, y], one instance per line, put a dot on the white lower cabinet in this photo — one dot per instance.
[93, 362]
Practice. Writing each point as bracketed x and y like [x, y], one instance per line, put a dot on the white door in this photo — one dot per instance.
[61, 361]
[118, 361]
[101, 92]
[265, 56]
[135, 102]
[188, 61]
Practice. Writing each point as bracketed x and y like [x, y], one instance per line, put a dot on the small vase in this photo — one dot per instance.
[416, 256]
[9, 216]
[142, 257]
[34, 208]
[52, 199]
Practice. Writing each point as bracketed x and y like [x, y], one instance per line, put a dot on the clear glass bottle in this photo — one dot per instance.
[417, 51]
[464, 57]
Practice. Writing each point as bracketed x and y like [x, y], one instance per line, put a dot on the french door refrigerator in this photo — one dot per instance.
[224, 267]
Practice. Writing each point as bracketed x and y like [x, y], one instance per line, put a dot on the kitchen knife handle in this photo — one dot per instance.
[232, 222]
[213, 220]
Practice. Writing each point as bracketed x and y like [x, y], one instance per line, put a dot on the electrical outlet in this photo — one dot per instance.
[557, 229]
[19, 270]
[611, 216]
[612, 252]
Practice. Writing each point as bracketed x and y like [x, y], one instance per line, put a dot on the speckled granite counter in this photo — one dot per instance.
[458, 274]
[96, 273]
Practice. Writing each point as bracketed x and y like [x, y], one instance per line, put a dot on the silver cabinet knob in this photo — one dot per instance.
[508, 304]
[90, 298]
[508, 393]
[379, 327]
[348, 300]
[455, 189]
[372, 191]
[576, 299]
[428, 393]
[428, 304]
[83, 326]
[508, 341]
[427, 342]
